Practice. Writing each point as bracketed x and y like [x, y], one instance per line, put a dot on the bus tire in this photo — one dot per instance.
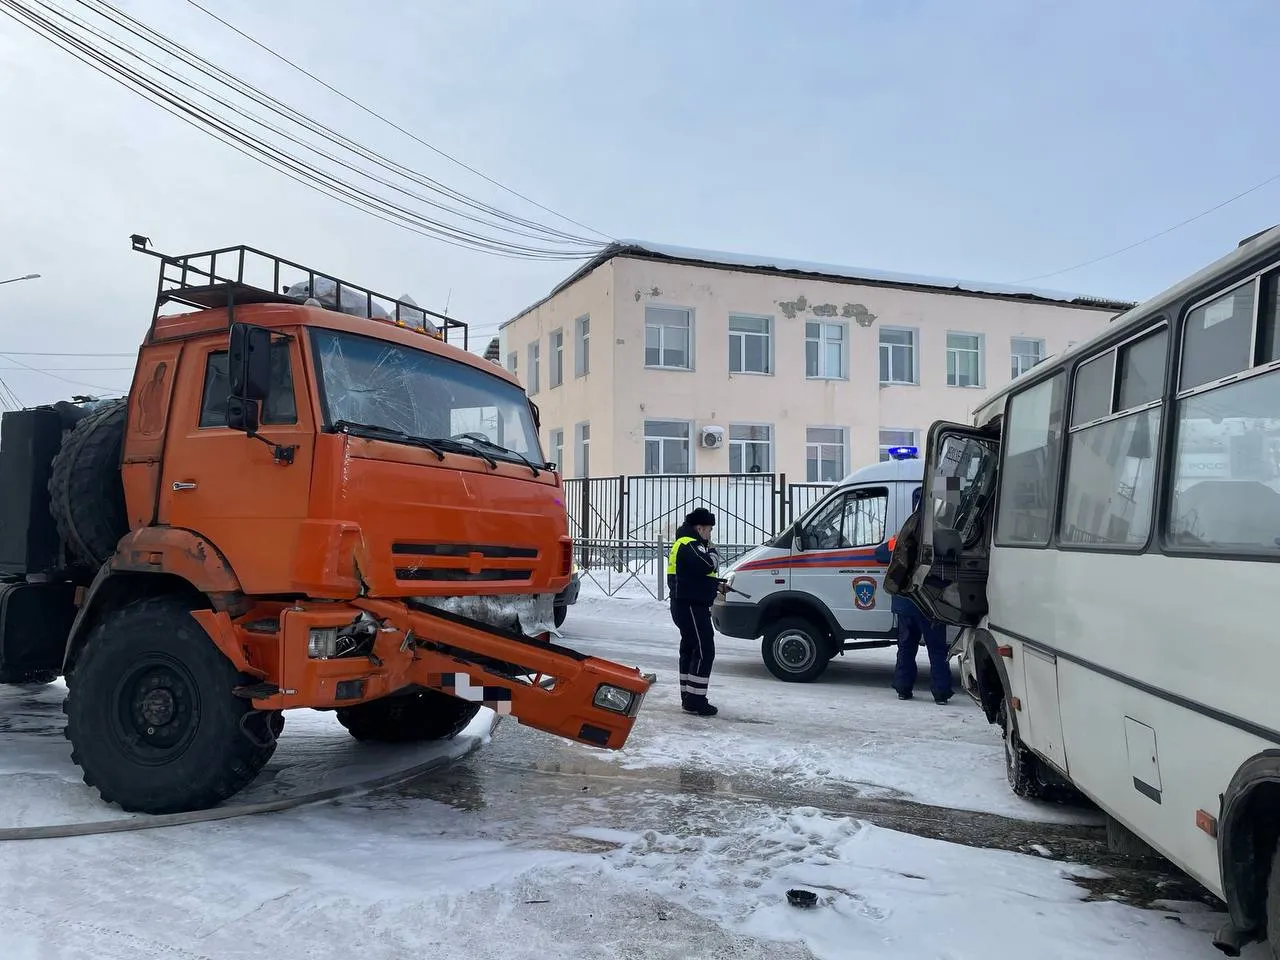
[1273, 907]
[409, 718]
[1021, 766]
[795, 650]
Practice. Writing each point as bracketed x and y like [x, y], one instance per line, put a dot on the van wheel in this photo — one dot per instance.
[1020, 765]
[795, 650]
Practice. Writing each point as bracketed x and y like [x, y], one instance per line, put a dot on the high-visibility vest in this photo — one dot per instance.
[675, 548]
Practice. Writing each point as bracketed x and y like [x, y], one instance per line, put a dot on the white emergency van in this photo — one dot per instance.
[816, 589]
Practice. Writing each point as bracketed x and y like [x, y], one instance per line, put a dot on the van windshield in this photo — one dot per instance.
[423, 396]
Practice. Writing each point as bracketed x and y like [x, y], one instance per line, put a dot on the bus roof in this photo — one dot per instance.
[1261, 246]
[887, 471]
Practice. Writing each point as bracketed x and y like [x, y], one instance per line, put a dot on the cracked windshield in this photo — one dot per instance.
[373, 383]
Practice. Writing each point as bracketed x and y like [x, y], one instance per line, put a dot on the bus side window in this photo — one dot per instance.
[1226, 465]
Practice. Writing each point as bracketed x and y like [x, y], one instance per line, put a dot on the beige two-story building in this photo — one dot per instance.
[663, 360]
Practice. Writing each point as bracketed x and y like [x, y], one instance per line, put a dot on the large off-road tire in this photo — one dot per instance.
[1273, 907]
[151, 716]
[86, 494]
[795, 650]
[426, 715]
[1021, 766]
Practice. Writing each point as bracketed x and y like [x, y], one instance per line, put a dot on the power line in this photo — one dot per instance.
[391, 123]
[38, 353]
[252, 146]
[47, 373]
[209, 69]
[1156, 236]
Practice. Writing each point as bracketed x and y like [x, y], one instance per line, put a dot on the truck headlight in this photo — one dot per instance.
[614, 699]
[322, 643]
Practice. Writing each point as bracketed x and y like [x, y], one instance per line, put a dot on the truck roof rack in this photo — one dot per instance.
[224, 278]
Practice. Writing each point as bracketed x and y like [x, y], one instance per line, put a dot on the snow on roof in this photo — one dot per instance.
[720, 259]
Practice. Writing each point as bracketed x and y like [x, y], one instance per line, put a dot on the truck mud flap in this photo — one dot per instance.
[542, 685]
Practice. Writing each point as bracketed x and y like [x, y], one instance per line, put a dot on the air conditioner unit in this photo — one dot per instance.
[712, 437]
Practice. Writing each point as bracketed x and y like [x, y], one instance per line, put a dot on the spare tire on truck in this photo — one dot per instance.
[86, 494]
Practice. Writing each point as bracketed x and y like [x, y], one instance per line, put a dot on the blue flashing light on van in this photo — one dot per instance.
[904, 453]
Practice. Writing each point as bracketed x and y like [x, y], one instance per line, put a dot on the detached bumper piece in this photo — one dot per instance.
[542, 685]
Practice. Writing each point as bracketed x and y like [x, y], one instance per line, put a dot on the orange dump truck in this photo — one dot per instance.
[310, 498]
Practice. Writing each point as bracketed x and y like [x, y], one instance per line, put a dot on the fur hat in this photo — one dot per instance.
[701, 517]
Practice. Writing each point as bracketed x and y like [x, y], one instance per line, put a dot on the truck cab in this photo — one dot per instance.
[817, 589]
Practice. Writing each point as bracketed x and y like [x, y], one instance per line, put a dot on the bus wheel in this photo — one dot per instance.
[795, 650]
[1020, 764]
[1273, 907]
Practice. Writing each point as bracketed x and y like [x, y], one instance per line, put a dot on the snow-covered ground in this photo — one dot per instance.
[683, 845]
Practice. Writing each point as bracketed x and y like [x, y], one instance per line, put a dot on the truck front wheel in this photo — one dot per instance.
[409, 718]
[151, 716]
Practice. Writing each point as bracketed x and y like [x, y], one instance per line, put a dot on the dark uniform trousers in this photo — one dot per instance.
[697, 647]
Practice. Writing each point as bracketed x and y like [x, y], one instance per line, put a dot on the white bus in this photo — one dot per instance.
[1107, 531]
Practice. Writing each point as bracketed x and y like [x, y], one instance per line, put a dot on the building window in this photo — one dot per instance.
[1111, 482]
[557, 358]
[750, 344]
[513, 363]
[897, 355]
[895, 438]
[824, 353]
[582, 440]
[1032, 451]
[964, 359]
[582, 355]
[532, 386]
[824, 454]
[668, 339]
[750, 447]
[666, 446]
[557, 449]
[1024, 354]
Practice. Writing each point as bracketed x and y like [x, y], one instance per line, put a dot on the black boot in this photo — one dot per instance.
[699, 706]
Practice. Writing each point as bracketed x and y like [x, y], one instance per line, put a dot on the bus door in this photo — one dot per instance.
[949, 581]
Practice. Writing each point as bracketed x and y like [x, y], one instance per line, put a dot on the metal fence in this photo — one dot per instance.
[623, 526]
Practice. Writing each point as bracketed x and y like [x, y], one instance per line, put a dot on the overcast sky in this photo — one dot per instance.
[997, 140]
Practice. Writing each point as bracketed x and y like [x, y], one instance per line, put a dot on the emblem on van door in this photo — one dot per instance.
[864, 593]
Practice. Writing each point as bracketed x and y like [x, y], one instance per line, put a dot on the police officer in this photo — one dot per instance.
[914, 626]
[693, 581]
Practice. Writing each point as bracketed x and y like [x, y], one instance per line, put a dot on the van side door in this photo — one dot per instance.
[949, 579]
[834, 559]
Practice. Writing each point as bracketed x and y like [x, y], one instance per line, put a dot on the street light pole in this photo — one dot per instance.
[29, 276]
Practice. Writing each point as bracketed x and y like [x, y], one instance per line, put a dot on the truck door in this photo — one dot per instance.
[949, 580]
[226, 485]
[835, 561]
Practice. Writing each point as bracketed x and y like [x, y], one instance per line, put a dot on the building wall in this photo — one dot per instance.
[581, 398]
[623, 394]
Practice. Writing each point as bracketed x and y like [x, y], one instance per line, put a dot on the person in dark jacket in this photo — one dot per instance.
[693, 581]
[914, 626]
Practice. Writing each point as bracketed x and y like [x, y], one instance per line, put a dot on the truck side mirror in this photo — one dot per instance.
[249, 361]
[249, 372]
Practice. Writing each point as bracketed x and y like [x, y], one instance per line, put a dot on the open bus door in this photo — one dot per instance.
[948, 580]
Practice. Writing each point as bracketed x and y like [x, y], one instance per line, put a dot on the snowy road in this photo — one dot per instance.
[681, 846]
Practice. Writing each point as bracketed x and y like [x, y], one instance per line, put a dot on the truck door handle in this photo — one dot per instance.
[183, 485]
